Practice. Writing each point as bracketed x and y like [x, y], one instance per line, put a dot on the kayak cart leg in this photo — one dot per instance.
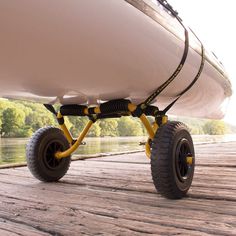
[40, 153]
[169, 145]
[171, 152]
[49, 151]
[172, 160]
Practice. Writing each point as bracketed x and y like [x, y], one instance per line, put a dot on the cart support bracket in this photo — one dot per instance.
[111, 109]
[77, 143]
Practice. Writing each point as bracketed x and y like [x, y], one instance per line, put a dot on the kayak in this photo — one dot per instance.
[109, 59]
[89, 52]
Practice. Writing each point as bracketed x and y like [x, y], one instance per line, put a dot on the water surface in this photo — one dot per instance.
[12, 150]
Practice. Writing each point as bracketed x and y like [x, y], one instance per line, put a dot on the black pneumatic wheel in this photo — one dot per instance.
[172, 160]
[40, 153]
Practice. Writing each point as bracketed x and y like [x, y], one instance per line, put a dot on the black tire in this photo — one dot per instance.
[171, 173]
[40, 154]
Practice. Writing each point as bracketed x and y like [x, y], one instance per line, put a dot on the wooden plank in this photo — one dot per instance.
[111, 205]
[14, 227]
[115, 196]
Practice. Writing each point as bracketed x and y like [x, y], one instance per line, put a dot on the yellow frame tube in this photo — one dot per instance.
[69, 151]
[147, 145]
[151, 132]
[148, 126]
[65, 130]
[150, 129]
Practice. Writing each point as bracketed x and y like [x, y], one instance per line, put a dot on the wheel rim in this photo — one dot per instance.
[49, 159]
[183, 151]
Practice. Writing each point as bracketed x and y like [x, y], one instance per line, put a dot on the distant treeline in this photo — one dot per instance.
[22, 119]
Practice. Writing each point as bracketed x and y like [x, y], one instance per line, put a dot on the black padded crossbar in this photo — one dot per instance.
[114, 106]
[102, 116]
[72, 110]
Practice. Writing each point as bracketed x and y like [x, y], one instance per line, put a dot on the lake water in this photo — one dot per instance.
[13, 150]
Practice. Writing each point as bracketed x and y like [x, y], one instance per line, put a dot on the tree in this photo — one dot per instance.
[108, 127]
[127, 126]
[78, 124]
[95, 130]
[0, 123]
[24, 132]
[196, 130]
[214, 127]
[4, 104]
[39, 119]
[20, 119]
[13, 119]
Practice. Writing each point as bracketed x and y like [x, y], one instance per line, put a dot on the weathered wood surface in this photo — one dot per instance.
[115, 196]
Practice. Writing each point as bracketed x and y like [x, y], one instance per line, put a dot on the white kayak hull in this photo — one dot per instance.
[84, 51]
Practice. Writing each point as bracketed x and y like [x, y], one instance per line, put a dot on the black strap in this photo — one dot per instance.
[51, 108]
[191, 84]
[151, 98]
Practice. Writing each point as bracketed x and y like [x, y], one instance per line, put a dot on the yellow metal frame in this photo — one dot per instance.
[74, 146]
[65, 129]
[155, 127]
[151, 130]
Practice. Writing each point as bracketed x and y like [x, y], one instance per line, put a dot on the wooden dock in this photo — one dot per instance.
[115, 196]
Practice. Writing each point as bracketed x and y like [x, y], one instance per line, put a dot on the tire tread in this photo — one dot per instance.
[31, 153]
[162, 175]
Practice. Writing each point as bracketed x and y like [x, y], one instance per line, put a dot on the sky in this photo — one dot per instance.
[214, 22]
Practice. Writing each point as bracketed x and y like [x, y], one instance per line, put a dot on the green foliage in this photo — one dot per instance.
[21, 119]
[195, 125]
[196, 129]
[129, 127]
[37, 119]
[214, 127]
[108, 127]
[13, 120]
[0, 121]
[4, 104]
[25, 132]
[78, 123]
[203, 126]
[126, 126]
[95, 131]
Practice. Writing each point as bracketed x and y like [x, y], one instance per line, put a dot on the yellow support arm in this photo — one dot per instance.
[148, 126]
[150, 129]
[65, 130]
[69, 151]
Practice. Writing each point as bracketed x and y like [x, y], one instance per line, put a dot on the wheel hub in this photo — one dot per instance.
[184, 160]
[50, 161]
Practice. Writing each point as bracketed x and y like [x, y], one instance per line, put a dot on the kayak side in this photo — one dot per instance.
[91, 51]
